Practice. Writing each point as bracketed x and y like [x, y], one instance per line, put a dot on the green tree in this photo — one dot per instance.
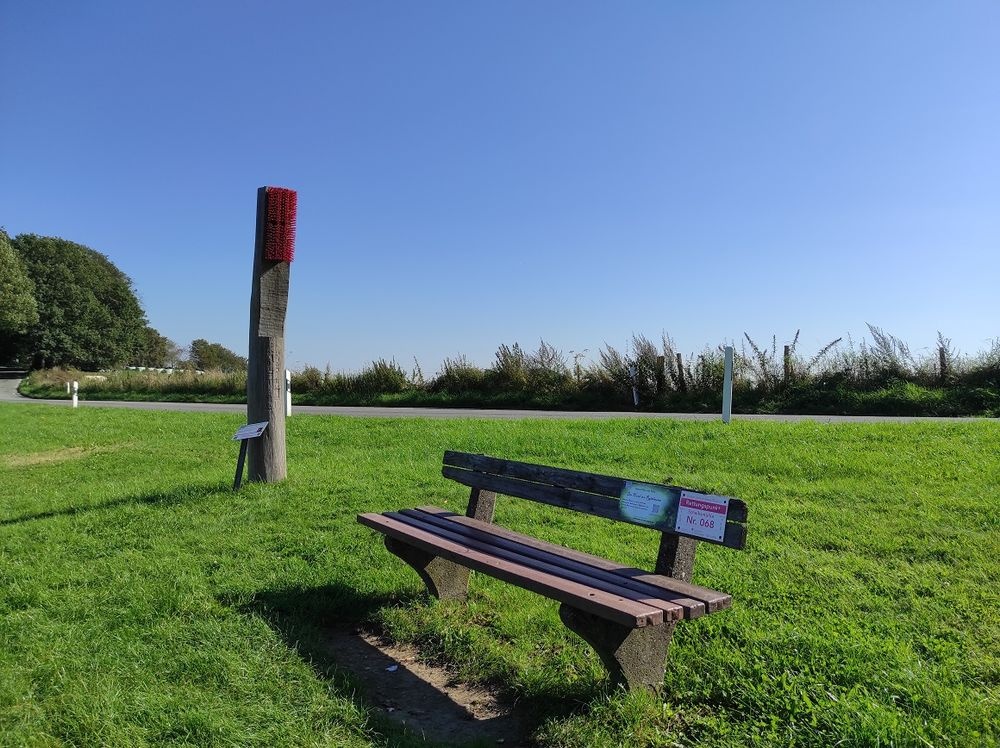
[18, 306]
[89, 315]
[205, 355]
[157, 350]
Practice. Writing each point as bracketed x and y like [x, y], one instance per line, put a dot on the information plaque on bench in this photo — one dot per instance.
[699, 515]
[647, 503]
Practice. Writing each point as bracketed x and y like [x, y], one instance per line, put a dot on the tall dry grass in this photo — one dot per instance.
[662, 375]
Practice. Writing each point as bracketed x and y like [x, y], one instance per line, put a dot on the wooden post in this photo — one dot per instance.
[681, 384]
[788, 365]
[266, 366]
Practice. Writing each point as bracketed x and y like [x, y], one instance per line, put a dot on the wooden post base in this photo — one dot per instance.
[444, 579]
[635, 658]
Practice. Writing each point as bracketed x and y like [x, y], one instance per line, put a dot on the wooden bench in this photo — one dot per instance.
[626, 614]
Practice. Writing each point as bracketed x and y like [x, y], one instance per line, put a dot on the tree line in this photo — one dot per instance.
[65, 304]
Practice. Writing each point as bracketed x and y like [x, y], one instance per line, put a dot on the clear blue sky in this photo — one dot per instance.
[471, 174]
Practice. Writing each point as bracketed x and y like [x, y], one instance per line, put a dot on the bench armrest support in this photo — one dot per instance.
[482, 504]
[675, 557]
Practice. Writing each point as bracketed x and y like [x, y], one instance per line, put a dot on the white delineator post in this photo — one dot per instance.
[76, 390]
[288, 393]
[634, 373]
[727, 386]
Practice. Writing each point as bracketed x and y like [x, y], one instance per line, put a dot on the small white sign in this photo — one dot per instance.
[645, 503]
[702, 515]
[250, 431]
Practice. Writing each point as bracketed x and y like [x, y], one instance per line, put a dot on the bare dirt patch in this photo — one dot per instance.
[55, 456]
[425, 699]
[44, 458]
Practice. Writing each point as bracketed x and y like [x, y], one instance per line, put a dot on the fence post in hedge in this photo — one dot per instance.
[681, 384]
[727, 386]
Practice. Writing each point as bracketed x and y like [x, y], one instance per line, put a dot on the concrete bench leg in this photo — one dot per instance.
[635, 658]
[444, 579]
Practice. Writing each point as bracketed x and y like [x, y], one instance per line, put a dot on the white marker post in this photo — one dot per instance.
[288, 393]
[634, 372]
[69, 388]
[76, 390]
[727, 387]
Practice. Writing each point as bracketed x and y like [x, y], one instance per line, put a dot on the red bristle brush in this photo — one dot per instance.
[279, 229]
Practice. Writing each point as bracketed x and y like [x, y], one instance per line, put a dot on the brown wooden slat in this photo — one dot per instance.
[605, 485]
[567, 498]
[735, 537]
[672, 609]
[737, 511]
[552, 557]
[712, 599]
[612, 607]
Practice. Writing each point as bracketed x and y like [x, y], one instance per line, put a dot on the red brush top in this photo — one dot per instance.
[279, 229]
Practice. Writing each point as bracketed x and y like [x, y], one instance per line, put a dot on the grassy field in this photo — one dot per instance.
[143, 603]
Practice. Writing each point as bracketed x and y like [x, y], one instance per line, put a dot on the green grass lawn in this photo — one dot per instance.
[143, 603]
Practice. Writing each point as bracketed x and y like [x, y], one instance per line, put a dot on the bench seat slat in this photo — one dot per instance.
[480, 541]
[713, 600]
[554, 556]
[606, 605]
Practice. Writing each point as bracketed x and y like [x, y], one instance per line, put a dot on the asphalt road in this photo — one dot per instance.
[8, 394]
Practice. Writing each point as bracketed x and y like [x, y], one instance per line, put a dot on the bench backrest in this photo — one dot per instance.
[670, 509]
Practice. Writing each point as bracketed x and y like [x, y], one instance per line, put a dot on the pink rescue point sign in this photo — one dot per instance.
[702, 515]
